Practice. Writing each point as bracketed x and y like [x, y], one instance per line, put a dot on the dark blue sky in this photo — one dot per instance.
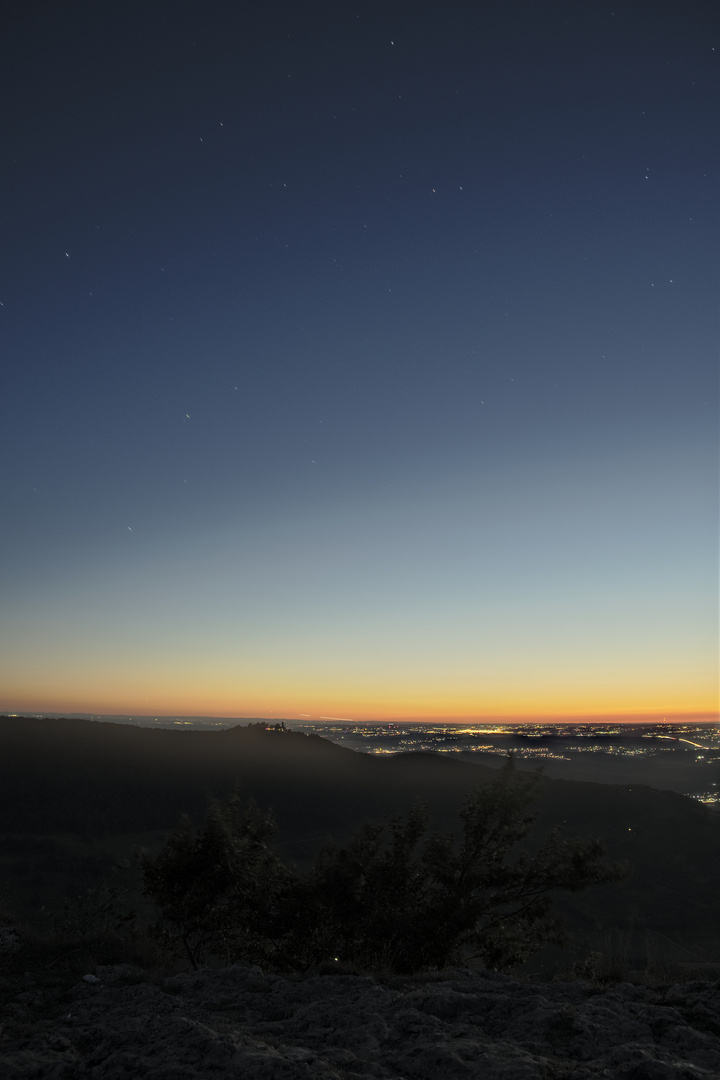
[403, 287]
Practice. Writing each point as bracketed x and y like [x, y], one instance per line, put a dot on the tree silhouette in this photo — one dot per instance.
[217, 888]
[392, 898]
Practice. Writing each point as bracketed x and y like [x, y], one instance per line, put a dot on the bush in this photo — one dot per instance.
[217, 889]
[392, 898]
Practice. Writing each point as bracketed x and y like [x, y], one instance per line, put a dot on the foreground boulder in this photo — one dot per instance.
[241, 1023]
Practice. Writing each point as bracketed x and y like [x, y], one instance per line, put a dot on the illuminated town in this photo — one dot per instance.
[696, 746]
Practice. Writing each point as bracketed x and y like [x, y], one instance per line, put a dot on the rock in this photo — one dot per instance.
[240, 1021]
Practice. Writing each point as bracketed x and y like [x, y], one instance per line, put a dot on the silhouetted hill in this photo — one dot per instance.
[89, 777]
[94, 779]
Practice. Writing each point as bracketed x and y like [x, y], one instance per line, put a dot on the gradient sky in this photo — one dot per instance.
[360, 360]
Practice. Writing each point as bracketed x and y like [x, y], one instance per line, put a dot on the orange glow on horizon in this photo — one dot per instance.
[314, 712]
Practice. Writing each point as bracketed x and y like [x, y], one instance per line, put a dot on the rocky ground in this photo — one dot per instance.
[242, 1023]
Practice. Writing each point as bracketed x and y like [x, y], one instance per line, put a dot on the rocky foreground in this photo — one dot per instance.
[242, 1023]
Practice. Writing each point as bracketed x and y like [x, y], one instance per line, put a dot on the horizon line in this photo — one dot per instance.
[595, 719]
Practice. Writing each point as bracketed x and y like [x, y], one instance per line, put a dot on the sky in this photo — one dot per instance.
[360, 360]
